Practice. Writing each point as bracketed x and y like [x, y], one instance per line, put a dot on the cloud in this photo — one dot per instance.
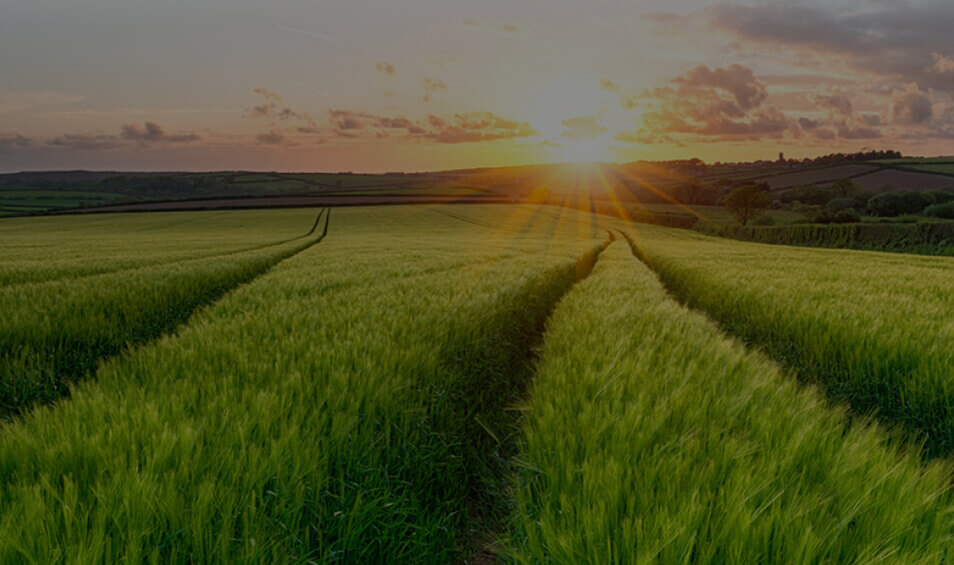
[350, 123]
[347, 120]
[871, 120]
[267, 94]
[394, 123]
[709, 104]
[86, 141]
[582, 128]
[462, 127]
[385, 67]
[837, 103]
[626, 101]
[273, 106]
[350, 120]
[11, 141]
[848, 132]
[942, 63]
[894, 40]
[271, 138]
[431, 86]
[147, 134]
[912, 108]
[807, 123]
[736, 80]
[509, 28]
[151, 132]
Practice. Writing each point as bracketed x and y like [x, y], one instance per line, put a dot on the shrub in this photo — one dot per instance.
[844, 187]
[886, 205]
[808, 194]
[846, 216]
[764, 220]
[913, 202]
[838, 204]
[810, 212]
[945, 210]
[940, 196]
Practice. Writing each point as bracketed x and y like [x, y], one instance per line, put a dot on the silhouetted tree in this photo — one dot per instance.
[746, 202]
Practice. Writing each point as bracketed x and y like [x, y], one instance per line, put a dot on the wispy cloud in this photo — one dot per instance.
[152, 132]
[463, 127]
[431, 86]
[86, 141]
[12, 141]
[273, 107]
[271, 138]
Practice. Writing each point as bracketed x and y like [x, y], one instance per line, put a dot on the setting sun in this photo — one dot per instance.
[582, 151]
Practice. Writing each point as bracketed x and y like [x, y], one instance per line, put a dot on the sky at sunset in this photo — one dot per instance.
[365, 85]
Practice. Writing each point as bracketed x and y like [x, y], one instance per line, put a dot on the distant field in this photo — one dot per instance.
[816, 176]
[744, 175]
[45, 199]
[423, 190]
[915, 161]
[946, 168]
[901, 181]
[30, 193]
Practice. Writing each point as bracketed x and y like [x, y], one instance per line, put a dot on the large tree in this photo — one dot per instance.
[747, 201]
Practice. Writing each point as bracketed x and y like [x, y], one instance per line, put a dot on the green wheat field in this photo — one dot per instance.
[466, 383]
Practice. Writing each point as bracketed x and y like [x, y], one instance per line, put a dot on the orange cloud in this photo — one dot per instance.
[710, 105]
[431, 86]
[464, 127]
[151, 132]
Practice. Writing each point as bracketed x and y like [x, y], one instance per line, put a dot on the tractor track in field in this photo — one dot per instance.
[805, 375]
[84, 367]
[489, 507]
[162, 263]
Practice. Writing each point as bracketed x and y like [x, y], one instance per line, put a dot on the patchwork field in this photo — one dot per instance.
[894, 180]
[441, 383]
[868, 177]
[945, 168]
[815, 176]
